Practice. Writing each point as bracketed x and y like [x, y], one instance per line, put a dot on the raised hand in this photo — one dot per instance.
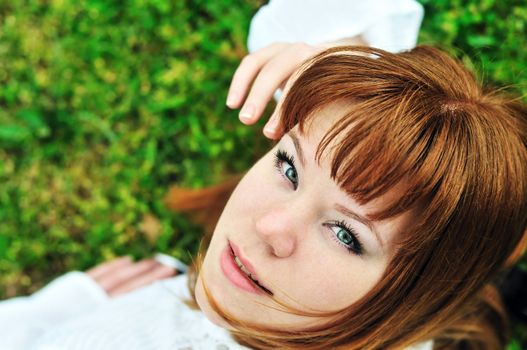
[264, 71]
[260, 74]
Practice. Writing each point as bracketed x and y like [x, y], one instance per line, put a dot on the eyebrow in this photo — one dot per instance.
[362, 219]
[292, 134]
[340, 208]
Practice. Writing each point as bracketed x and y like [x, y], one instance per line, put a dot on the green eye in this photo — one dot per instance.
[285, 164]
[344, 236]
[291, 174]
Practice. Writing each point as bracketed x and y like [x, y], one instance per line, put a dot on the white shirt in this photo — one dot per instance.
[392, 25]
[74, 313]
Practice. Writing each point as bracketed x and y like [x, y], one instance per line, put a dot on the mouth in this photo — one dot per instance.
[245, 270]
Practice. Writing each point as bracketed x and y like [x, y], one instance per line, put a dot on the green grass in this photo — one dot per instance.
[104, 105]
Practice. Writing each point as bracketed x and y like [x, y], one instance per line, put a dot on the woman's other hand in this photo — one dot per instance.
[123, 275]
[260, 74]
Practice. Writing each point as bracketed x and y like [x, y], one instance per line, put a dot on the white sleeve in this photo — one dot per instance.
[392, 25]
[23, 319]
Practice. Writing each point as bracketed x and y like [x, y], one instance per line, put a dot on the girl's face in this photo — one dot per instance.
[297, 233]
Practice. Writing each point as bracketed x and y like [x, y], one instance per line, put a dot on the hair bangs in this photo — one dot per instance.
[386, 138]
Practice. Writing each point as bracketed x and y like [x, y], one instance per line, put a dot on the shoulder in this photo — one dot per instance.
[154, 317]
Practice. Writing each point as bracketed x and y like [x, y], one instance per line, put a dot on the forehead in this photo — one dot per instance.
[323, 120]
[315, 129]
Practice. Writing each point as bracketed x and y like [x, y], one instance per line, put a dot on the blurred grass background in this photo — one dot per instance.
[105, 104]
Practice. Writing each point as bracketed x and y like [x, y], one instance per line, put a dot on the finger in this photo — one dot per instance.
[115, 278]
[270, 77]
[98, 271]
[157, 273]
[247, 71]
[272, 128]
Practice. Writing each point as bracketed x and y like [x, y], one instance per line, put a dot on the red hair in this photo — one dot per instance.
[420, 118]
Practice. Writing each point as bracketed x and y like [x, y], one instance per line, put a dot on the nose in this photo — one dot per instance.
[278, 228]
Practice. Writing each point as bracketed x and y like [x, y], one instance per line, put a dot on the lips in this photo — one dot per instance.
[240, 271]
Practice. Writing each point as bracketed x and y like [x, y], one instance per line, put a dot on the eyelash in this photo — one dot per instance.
[356, 246]
[284, 157]
[281, 157]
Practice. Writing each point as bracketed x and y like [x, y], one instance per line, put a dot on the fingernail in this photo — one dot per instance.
[247, 112]
[272, 120]
[168, 269]
[231, 100]
[269, 130]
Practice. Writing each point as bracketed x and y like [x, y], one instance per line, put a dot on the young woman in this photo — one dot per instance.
[378, 221]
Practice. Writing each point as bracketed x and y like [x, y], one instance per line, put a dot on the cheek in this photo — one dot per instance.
[331, 284]
[253, 191]
[316, 276]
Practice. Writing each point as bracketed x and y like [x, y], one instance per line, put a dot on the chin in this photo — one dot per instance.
[205, 307]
